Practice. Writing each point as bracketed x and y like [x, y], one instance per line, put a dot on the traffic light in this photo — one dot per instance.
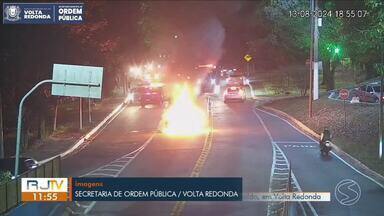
[334, 49]
[337, 50]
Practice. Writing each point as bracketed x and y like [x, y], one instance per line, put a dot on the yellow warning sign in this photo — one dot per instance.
[248, 57]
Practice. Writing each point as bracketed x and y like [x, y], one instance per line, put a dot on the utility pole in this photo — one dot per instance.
[312, 7]
[2, 153]
[381, 116]
[381, 122]
[315, 80]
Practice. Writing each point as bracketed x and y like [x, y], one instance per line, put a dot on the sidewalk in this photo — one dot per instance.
[60, 141]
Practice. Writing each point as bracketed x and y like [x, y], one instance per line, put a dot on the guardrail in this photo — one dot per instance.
[287, 204]
[10, 191]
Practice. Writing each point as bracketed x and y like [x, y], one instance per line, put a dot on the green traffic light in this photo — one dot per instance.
[337, 50]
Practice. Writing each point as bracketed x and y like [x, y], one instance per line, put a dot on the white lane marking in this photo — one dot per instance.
[113, 165]
[281, 190]
[301, 146]
[297, 186]
[275, 146]
[296, 142]
[137, 151]
[120, 161]
[277, 173]
[52, 212]
[342, 160]
[282, 179]
[100, 174]
[107, 169]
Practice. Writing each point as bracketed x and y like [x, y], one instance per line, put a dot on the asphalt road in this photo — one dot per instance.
[245, 143]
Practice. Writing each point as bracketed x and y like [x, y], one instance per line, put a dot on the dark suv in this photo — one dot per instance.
[151, 95]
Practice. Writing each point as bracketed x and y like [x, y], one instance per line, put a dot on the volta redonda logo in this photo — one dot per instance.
[44, 185]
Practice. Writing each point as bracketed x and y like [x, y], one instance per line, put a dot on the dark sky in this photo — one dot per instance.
[207, 31]
[193, 32]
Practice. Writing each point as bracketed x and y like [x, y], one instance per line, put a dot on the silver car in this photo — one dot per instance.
[234, 93]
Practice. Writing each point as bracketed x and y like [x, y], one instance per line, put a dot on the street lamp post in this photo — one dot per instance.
[20, 114]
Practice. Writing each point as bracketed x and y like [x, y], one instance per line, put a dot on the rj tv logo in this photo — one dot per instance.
[44, 185]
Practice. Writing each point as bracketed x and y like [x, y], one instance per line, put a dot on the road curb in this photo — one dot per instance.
[342, 154]
[91, 134]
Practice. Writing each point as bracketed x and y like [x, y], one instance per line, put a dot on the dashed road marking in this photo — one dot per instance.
[295, 142]
[116, 172]
[108, 170]
[300, 146]
[277, 208]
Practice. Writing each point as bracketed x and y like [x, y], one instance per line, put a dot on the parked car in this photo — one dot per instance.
[373, 89]
[25, 164]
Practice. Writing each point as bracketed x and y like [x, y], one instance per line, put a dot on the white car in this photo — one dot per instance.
[234, 93]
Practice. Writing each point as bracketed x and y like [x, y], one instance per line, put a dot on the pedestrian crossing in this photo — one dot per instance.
[297, 144]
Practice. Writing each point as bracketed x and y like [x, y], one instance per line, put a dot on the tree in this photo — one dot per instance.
[365, 36]
[292, 33]
[331, 45]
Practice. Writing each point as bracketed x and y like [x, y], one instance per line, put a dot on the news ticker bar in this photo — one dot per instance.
[151, 189]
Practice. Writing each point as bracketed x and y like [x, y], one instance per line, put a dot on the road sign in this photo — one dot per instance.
[248, 58]
[344, 94]
[79, 78]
